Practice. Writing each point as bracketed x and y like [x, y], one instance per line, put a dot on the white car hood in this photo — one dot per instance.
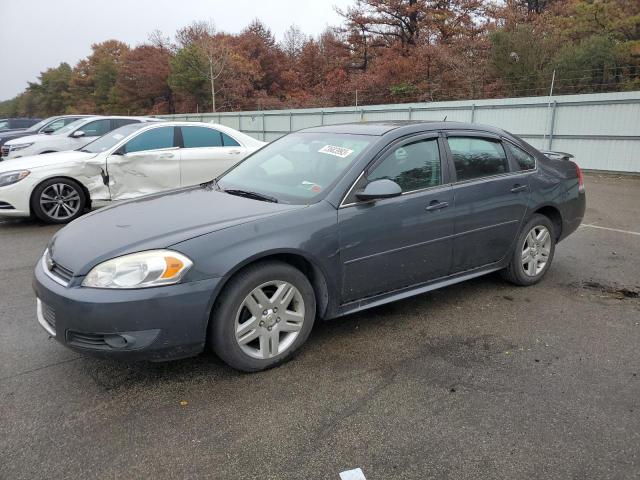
[35, 139]
[44, 160]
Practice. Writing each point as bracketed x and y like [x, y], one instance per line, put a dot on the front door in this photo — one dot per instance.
[490, 200]
[148, 163]
[206, 153]
[402, 241]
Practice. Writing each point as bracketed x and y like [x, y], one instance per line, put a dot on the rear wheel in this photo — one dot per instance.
[263, 315]
[58, 200]
[533, 253]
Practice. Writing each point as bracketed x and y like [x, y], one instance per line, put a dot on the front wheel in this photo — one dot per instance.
[58, 200]
[262, 316]
[533, 253]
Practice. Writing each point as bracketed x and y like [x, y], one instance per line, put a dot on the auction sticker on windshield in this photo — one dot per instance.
[336, 151]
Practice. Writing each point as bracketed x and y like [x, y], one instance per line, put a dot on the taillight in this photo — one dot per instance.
[580, 178]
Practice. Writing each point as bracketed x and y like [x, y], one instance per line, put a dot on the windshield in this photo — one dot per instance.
[70, 128]
[299, 168]
[111, 139]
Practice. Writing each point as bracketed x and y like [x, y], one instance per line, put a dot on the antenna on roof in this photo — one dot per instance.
[445, 118]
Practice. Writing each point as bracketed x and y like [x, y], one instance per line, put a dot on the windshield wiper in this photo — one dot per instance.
[253, 195]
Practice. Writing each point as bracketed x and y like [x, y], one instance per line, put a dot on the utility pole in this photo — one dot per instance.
[553, 81]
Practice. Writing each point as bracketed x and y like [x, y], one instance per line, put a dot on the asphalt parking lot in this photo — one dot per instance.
[478, 380]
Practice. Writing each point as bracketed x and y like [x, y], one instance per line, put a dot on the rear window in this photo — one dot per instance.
[523, 159]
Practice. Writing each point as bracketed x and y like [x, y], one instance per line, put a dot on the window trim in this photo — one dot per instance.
[380, 157]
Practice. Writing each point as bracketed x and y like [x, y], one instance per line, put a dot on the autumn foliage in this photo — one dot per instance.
[385, 51]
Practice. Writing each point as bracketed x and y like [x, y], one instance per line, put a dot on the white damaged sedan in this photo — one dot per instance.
[131, 161]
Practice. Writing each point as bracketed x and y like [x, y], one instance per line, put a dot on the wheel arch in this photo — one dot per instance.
[552, 213]
[63, 177]
[314, 273]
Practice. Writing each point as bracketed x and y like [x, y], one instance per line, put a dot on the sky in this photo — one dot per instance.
[38, 34]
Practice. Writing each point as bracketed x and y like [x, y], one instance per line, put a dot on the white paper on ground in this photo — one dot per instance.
[352, 475]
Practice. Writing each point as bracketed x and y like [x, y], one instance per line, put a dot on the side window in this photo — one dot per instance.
[67, 121]
[524, 160]
[414, 166]
[121, 122]
[151, 140]
[194, 137]
[227, 141]
[477, 157]
[55, 125]
[96, 128]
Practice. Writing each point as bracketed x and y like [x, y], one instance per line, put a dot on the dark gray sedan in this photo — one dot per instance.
[321, 223]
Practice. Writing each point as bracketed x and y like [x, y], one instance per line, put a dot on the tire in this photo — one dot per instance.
[532, 252]
[268, 336]
[66, 194]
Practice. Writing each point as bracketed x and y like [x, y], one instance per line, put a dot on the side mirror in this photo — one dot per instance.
[48, 130]
[120, 151]
[383, 188]
[77, 134]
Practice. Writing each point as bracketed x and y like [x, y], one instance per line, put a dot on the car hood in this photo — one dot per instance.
[33, 139]
[153, 221]
[44, 160]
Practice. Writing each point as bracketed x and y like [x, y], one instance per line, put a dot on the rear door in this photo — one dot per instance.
[490, 199]
[401, 241]
[206, 153]
[148, 163]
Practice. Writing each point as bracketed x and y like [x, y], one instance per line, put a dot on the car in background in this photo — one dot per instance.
[70, 137]
[46, 126]
[133, 160]
[17, 123]
[321, 223]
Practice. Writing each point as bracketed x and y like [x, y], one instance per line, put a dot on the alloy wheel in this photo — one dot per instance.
[269, 319]
[60, 201]
[536, 250]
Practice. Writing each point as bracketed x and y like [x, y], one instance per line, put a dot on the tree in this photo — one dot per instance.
[142, 82]
[92, 85]
[51, 91]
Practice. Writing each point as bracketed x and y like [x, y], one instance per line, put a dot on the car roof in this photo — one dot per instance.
[379, 128]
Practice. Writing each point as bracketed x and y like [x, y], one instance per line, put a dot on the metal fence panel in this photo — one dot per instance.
[602, 130]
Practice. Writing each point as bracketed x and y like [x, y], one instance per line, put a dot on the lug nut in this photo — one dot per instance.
[269, 328]
[262, 324]
[265, 312]
[278, 319]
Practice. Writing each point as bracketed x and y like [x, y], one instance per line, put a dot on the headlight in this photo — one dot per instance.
[139, 270]
[12, 177]
[19, 146]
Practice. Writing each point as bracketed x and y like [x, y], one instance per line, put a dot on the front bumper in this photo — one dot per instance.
[14, 199]
[156, 324]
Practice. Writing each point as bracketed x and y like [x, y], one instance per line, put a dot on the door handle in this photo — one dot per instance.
[518, 188]
[436, 205]
[166, 155]
[234, 152]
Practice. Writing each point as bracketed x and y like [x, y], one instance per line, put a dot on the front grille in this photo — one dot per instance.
[6, 206]
[4, 151]
[61, 272]
[94, 341]
[49, 315]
